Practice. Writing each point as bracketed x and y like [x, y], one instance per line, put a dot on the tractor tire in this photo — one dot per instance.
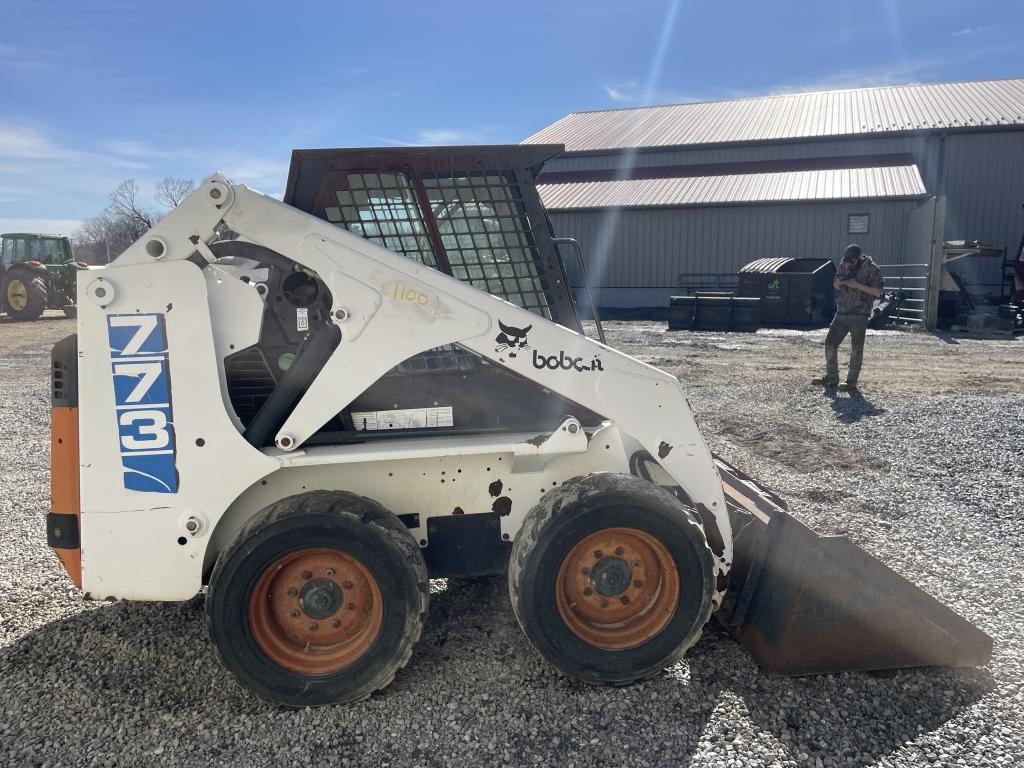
[611, 578]
[318, 600]
[24, 295]
[71, 311]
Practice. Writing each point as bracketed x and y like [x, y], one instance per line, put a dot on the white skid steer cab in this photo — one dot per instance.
[385, 380]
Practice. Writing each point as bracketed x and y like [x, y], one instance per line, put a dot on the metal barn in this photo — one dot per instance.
[657, 195]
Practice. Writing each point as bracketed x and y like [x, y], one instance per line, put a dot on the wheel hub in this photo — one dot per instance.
[17, 294]
[321, 598]
[617, 588]
[316, 611]
[611, 576]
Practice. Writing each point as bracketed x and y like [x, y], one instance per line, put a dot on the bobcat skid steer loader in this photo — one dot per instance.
[386, 380]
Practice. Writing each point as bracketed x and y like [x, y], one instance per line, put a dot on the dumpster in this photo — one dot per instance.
[792, 291]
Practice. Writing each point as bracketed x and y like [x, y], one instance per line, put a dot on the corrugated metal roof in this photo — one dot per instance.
[794, 116]
[834, 184]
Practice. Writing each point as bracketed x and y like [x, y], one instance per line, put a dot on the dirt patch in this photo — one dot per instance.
[795, 446]
[826, 495]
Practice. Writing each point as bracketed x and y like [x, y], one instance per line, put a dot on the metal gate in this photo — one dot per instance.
[908, 284]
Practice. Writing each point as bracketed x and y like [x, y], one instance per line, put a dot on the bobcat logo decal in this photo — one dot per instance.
[511, 339]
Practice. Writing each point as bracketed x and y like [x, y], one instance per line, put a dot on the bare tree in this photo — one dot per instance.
[171, 191]
[124, 204]
[126, 219]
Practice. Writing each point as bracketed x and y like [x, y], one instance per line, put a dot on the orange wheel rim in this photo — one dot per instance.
[315, 611]
[617, 588]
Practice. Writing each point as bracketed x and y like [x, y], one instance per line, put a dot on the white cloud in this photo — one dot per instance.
[46, 226]
[393, 142]
[25, 142]
[427, 137]
[909, 73]
[631, 93]
[446, 136]
[259, 173]
[969, 31]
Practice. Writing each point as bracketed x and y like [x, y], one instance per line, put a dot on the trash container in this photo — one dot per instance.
[792, 291]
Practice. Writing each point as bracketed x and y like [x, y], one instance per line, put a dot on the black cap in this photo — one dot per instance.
[852, 252]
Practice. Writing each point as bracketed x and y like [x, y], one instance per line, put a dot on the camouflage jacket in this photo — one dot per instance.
[850, 301]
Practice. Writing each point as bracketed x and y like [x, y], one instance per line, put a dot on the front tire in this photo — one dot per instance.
[319, 600]
[611, 578]
[24, 295]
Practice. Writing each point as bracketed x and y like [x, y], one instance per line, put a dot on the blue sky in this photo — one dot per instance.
[93, 92]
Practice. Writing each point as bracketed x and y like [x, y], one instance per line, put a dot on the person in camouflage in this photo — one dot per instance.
[858, 283]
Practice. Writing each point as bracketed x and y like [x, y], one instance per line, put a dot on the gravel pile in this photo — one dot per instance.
[926, 477]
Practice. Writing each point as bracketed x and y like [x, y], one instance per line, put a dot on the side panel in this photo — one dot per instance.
[445, 489]
[130, 537]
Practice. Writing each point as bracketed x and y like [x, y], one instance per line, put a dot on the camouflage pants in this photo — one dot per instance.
[856, 326]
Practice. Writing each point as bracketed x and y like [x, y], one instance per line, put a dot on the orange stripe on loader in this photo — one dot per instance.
[64, 494]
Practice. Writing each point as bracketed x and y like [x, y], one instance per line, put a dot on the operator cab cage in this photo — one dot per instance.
[471, 212]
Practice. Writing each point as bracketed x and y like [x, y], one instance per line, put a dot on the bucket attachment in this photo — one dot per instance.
[806, 604]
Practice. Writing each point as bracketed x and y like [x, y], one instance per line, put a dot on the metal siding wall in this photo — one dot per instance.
[983, 180]
[650, 248]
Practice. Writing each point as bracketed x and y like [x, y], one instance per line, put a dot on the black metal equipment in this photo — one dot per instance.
[792, 291]
[714, 311]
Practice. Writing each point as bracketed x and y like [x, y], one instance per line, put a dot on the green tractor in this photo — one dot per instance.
[37, 272]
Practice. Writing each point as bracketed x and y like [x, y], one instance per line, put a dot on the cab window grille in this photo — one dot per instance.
[382, 207]
[487, 237]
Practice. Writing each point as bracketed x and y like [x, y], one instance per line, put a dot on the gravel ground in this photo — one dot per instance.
[925, 472]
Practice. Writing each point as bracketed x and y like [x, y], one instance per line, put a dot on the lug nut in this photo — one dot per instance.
[307, 575]
[588, 591]
[598, 554]
[329, 572]
[635, 563]
[294, 614]
[292, 592]
[604, 603]
[619, 551]
[336, 623]
[585, 571]
[624, 600]
[638, 584]
[346, 585]
[351, 606]
[313, 626]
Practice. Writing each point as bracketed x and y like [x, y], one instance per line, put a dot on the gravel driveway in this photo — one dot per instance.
[925, 472]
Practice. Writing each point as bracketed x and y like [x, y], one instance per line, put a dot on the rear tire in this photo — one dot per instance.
[24, 295]
[611, 578]
[319, 600]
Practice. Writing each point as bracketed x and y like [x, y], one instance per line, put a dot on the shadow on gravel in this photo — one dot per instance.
[139, 684]
[852, 409]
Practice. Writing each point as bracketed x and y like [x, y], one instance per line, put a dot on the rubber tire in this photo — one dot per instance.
[347, 522]
[574, 510]
[71, 311]
[35, 286]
